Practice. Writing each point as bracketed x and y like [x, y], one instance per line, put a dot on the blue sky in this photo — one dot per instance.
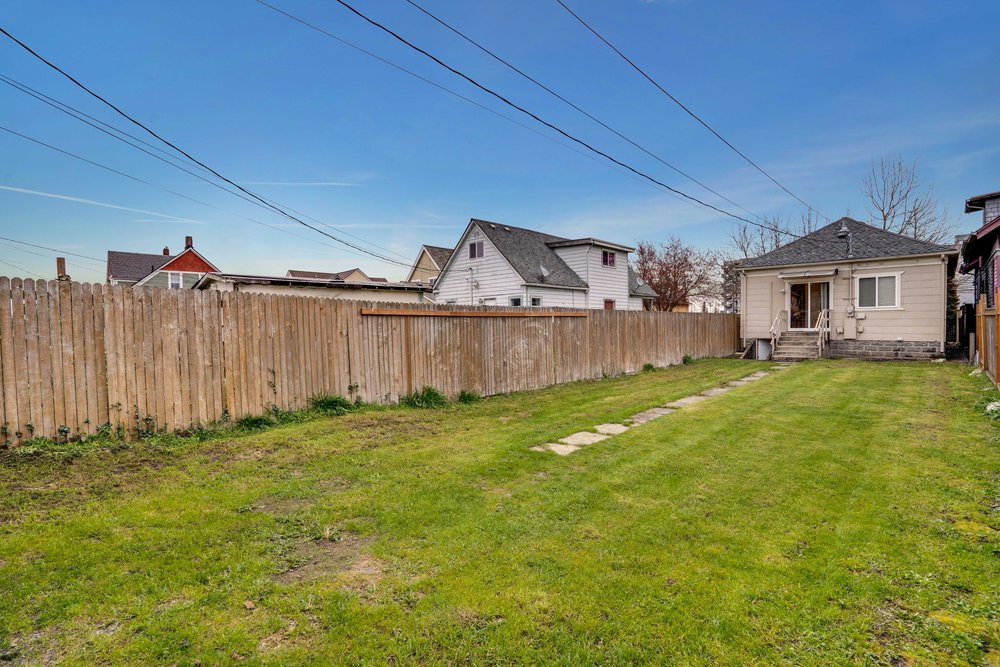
[813, 91]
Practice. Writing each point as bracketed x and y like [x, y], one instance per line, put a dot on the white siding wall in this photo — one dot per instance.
[497, 280]
[558, 298]
[920, 316]
[604, 282]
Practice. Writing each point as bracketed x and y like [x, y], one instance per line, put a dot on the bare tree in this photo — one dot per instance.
[897, 202]
[677, 272]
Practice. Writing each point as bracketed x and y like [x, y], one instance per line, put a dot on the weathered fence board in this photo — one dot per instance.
[75, 357]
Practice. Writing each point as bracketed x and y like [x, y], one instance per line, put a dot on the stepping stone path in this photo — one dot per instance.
[576, 441]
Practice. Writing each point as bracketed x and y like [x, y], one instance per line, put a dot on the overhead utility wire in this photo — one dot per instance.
[157, 187]
[688, 111]
[19, 268]
[64, 252]
[551, 126]
[252, 194]
[582, 111]
[173, 161]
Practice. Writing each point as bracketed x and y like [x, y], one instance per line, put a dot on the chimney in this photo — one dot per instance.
[188, 242]
[61, 269]
[166, 250]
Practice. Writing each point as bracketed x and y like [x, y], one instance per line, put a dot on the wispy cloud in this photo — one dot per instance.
[91, 202]
[306, 184]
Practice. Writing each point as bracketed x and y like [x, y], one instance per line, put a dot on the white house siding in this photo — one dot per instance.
[557, 298]
[604, 282]
[919, 317]
[497, 279]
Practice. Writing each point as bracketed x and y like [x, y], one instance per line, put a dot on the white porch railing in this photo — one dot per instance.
[823, 329]
[779, 321]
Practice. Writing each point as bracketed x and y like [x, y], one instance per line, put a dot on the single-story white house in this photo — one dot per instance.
[848, 290]
[329, 289]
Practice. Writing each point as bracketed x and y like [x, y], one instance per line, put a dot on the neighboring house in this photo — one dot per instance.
[979, 252]
[319, 287]
[429, 263]
[501, 265]
[180, 271]
[351, 276]
[869, 293]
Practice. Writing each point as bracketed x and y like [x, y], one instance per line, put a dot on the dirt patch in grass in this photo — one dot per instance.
[329, 558]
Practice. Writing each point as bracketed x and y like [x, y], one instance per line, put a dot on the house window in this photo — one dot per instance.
[516, 301]
[475, 250]
[174, 279]
[609, 304]
[878, 291]
[608, 258]
[536, 301]
[450, 302]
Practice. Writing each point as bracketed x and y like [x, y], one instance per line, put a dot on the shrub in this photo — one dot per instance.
[254, 422]
[687, 359]
[428, 397]
[332, 404]
[466, 396]
[648, 368]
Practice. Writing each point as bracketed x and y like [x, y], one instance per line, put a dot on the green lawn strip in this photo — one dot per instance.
[835, 512]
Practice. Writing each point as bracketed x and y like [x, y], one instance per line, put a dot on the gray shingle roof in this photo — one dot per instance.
[439, 255]
[527, 252]
[822, 245]
[134, 265]
[638, 288]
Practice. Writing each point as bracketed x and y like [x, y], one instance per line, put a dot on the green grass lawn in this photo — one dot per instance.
[833, 513]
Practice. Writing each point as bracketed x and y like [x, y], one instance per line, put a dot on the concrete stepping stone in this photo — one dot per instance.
[539, 448]
[610, 429]
[583, 438]
[687, 400]
[649, 415]
[717, 391]
[562, 450]
[737, 383]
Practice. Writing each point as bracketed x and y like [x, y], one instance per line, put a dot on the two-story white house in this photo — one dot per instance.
[501, 265]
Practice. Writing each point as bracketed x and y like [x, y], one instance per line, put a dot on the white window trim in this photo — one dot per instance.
[520, 299]
[536, 305]
[170, 279]
[898, 275]
[480, 251]
[613, 254]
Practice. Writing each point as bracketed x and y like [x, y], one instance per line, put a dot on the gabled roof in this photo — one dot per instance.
[528, 252]
[439, 255]
[638, 287]
[134, 266]
[867, 242]
[976, 203]
[321, 275]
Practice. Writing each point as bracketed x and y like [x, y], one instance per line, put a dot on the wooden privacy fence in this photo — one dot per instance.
[987, 339]
[74, 357]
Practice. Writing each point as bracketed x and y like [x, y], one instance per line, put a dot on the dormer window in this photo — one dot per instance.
[475, 249]
[608, 258]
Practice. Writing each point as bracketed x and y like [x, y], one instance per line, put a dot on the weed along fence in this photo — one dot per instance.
[78, 357]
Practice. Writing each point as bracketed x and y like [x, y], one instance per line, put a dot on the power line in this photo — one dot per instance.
[575, 106]
[15, 266]
[42, 247]
[153, 185]
[250, 193]
[68, 262]
[83, 117]
[688, 111]
[114, 133]
[546, 123]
